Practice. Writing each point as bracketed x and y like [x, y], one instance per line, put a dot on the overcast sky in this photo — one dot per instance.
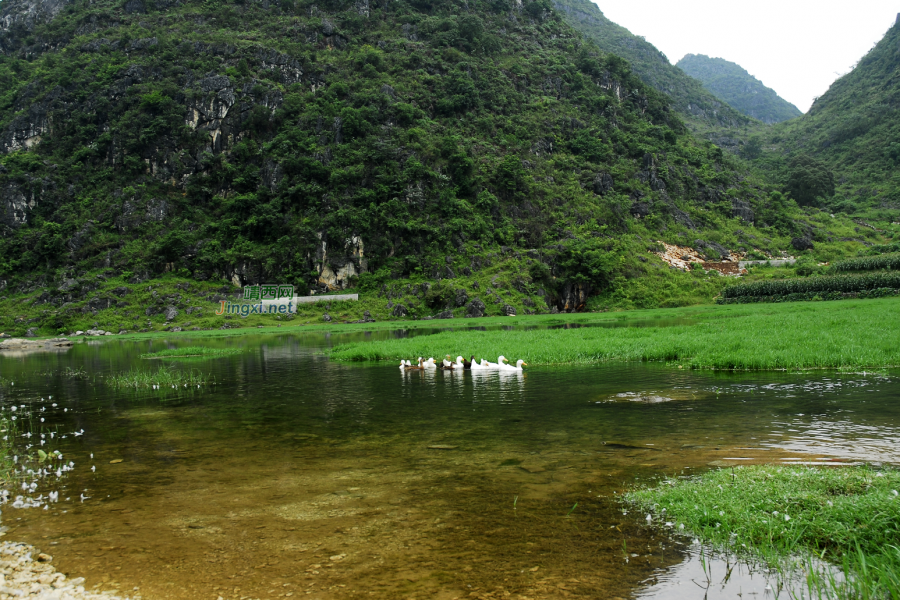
[796, 47]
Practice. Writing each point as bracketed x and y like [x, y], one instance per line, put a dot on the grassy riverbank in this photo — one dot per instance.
[848, 516]
[805, 335]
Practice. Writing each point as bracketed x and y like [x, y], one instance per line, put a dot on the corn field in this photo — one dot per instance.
[846, 284]
[886, 262]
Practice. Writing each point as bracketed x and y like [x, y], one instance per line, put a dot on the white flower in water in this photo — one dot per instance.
[787, 518]
[42, 419]
[93, 469]
[53, 405]
[13, 409]
[13, 418]
[24, 486]
[92, 456]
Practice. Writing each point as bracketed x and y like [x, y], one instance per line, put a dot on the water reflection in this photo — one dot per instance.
[428, 483]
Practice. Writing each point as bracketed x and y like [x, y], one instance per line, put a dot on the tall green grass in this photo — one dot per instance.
[850, 334]
[849, 516]
[192, 352]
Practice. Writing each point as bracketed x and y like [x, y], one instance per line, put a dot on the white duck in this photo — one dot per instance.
[460, 364]
[430, 364]
[403, 364]
[489, 365]
[518, 367]
[476, 366]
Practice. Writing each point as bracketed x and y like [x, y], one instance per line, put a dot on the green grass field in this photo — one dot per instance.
[804, 335]
[849, 516]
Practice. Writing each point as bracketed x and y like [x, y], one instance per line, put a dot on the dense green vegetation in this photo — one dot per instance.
[852, 130]
[383, 140]
[407, 151]
[847, 515]
[851, 334]
[731, 83]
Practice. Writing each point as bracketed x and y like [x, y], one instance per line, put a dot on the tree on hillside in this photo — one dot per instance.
[809, 180]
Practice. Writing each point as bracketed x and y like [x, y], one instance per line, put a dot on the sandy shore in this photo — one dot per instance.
[27, 573]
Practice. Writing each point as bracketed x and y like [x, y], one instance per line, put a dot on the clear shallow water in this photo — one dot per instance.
[295, 474]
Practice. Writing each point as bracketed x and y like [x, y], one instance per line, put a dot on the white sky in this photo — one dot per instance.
[796, 47]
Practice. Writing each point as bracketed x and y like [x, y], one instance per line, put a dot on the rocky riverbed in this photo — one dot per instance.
[27, 573]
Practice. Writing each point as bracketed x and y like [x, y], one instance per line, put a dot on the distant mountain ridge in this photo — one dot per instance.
[732, 83]
[688, 95]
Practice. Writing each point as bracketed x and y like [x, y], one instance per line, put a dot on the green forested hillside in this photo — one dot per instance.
[853, 131]
[741, 90]
[343, 144]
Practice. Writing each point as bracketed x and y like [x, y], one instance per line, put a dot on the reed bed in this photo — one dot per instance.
[192, 352]
[161, 378]
[791, 516]
[852, 334]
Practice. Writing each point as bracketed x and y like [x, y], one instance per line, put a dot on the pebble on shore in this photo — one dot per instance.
[26, 573]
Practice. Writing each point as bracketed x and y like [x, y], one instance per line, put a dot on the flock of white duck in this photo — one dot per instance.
[462, 364]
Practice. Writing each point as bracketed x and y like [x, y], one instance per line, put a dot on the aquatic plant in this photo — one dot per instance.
[192, 352]
[29, 465]
[159, 379]
[852, 334]
[847, 515]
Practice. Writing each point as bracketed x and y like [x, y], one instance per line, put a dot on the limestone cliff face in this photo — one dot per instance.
[18, 18]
